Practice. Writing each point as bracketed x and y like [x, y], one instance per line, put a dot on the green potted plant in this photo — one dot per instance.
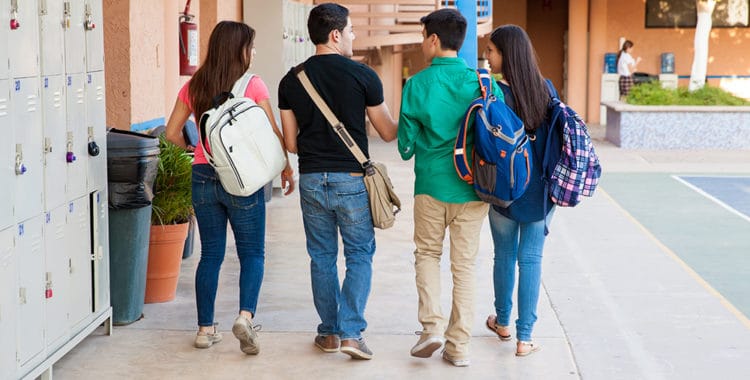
[172, 211]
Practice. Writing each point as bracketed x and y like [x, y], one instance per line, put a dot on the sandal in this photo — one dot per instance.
[526, 348]
[502, 331]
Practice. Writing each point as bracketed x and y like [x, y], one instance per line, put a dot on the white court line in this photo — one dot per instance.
[711, 197]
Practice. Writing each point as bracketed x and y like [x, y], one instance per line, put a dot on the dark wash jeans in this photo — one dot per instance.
[247, 216]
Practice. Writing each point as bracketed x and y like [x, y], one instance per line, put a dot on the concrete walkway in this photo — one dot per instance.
[616, 303]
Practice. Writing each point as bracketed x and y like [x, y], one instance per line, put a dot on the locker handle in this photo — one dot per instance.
[14, 23]
[20, 167]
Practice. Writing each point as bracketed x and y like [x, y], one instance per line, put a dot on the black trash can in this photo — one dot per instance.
[132, 163]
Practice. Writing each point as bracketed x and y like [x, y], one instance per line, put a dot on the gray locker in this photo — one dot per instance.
[8, 304]
[76, 137]
[75, 38]
[28, 148]
[100, 249]
[57, 279]
[30, 254]
[78, 247]
[94, 35]
[53, 119]
[4, 20]
[7, 158]
[51, 23]
[96, 120]
[23, 38]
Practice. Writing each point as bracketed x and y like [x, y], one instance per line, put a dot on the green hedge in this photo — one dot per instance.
[652, 94]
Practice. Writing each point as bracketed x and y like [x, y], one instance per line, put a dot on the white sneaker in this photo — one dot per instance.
[427, 345]
[206, 340]
[247, 334]
[465, 362]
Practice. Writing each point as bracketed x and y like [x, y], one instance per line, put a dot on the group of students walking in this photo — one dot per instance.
[333, 196]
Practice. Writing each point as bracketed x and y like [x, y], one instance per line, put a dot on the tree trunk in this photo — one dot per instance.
[702, 32]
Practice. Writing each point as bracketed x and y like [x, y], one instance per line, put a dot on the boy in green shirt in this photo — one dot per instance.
[433, 103]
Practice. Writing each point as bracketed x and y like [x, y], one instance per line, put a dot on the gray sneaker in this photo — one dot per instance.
[247, 334]
[426, 345]
[206, 340]
[458, 362]
[356, 348]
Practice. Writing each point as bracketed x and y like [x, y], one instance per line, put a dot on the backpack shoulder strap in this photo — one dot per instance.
[240, 86]
[460, 154]
[485, 81]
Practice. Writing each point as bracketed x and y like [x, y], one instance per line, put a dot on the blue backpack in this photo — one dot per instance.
[502, 152]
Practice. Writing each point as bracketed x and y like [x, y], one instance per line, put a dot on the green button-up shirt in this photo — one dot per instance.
[433, 104]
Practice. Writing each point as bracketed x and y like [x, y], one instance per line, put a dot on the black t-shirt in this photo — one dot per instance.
[348, 87]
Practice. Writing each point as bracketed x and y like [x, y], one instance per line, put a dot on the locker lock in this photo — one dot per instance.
[69, 155]
[20, 167]
[14, 23]
[93, 146]
[88, 22]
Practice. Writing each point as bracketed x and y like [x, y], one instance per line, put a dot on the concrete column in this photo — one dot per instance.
[577, 56]
[116, 15]
[597, 48]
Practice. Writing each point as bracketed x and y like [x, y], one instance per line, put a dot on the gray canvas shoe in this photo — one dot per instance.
[427, 345]
[356, 348]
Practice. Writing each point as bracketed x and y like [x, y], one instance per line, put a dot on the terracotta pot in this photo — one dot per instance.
[165, 248]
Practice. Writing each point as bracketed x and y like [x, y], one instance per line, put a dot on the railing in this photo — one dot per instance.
[396, 22]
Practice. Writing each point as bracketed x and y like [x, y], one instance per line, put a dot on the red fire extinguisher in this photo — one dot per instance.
[188, 42]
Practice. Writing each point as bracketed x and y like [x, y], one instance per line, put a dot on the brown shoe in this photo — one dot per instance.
[328, 343]
[356, 348]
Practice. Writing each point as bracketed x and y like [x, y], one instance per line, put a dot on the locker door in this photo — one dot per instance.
[76, 137]
[94, 35]
[97, 130]
[28, 150]
[57, 278]
[8, 304]
[23, 40]
[4, 31]
[51, 23]
[7, 158]
[53, 119]
[78, 247]
[30, 253]
[75, 39]
[100, 249]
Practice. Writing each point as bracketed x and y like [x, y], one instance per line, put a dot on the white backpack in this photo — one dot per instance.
[244, 150]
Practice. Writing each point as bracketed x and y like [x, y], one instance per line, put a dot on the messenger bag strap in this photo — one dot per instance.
[337, 125]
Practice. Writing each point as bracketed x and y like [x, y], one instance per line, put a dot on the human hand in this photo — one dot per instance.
[638, 60]
[287, 180]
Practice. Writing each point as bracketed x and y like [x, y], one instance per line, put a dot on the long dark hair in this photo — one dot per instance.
[521, 70]
[228, 57]
[625, 46]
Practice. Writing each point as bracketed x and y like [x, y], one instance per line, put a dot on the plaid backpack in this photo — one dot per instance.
[576, 169]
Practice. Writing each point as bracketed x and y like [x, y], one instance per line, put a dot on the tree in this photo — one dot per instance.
[705, 9]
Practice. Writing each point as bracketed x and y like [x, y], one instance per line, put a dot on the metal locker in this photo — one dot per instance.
[26, 119]
[76, 140]
[7, 157]
[4, 31]
[8, 304]
[75, 37]
[100, 249]
[56, 279]
[53, 121]
[23, 38]
[78, 247]
[30, 255]
[96, 120]
[94, 35]
[51, 23]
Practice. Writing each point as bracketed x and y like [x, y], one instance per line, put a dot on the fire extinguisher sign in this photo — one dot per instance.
[193, 47]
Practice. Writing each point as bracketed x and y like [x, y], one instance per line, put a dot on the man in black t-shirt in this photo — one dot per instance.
[332, 190]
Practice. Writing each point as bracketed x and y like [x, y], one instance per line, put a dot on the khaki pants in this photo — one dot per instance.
[431, 218]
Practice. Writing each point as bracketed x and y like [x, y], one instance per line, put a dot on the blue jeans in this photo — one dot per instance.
[522, 243]
[335, 203]
[247, 215]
